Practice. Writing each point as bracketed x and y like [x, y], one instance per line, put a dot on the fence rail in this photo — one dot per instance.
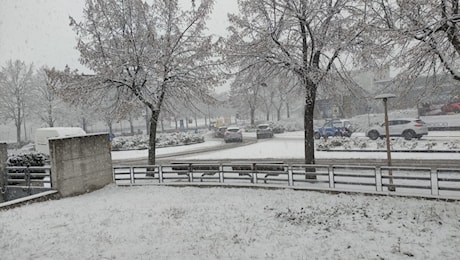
[28, 176]
[419, 181]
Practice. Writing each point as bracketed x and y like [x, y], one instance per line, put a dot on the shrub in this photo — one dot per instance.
[28, 159]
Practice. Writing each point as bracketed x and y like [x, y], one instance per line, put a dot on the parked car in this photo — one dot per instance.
[277, 128]
[335, 127]
[220, 131]
[264, 130]
[233, 134]
[452, 107]
[406, 127]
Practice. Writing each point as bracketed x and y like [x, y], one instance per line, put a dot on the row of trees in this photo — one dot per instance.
[317, 42]
[28, 93]
[37, 96]
[157, 54]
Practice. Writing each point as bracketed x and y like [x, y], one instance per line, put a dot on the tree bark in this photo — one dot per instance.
[252, 112]
[131, 125]
[310, 97]
[288, 111]
[153, 136]
[18, 127]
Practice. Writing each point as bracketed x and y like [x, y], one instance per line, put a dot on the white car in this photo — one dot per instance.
[233, 134]
[406, 127]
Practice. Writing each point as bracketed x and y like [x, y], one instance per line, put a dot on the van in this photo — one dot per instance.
[42, 135]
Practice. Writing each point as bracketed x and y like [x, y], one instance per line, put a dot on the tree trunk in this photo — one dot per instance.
[147, 123]
[310, 96]
[278, 114]
[288, 111]
[252, 112]
[268, 116]
[109, 124]
[131, 125]
[153, 136]
[84, 124]
[25, 129]
[50, 116]
[18, 134]
[18, 127]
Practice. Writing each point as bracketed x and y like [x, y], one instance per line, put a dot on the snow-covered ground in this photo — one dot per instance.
[227, 223]
[156, 222]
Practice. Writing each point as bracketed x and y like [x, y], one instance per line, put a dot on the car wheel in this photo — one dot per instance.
[457, 110]
[408, 134]
[317, 135]
[373, 135]
[338, 134]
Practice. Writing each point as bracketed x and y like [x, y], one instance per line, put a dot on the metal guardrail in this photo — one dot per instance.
[417, 181]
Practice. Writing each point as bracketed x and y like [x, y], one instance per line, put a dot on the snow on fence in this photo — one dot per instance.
[411, 181]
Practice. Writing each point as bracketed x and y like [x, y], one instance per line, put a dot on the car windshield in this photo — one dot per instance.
[233, 130]
[263, 126]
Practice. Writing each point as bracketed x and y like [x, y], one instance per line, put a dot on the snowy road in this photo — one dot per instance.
[290, 146]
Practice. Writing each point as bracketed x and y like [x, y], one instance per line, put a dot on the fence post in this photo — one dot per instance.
[378, 179]
[160, 174]
[221, 174]
[434, 181]
[290, 178]
[27, 179]
[131, 175]
[330, 170]
[190, 173]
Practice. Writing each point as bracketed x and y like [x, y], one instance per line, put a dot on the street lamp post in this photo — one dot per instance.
[385, 98]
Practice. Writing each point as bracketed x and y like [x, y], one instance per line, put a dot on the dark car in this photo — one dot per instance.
[220, 132]
[277, 129]
[337, 127]
[264, 130]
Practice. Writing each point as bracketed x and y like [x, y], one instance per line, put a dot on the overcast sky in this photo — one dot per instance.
[38, 31]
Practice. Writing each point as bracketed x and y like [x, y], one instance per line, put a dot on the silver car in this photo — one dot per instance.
[233, 134]
[406, 127]
[264, 130]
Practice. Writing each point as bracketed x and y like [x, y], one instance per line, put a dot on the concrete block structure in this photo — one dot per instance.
[80, 164]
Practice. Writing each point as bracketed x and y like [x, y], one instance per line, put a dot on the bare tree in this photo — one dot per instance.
[15, 86]
[425, 35]
[48, 105]
[245, 93]
[304, 37]
[145, 52]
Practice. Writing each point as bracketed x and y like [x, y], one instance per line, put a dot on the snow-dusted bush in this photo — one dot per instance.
[344, 143]
[28, 159]
[139, 142]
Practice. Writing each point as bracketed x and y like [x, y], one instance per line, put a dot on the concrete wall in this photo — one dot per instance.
[80, 164]
[3, 159]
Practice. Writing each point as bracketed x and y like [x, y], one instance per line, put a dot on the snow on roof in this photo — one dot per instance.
[63, 130]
